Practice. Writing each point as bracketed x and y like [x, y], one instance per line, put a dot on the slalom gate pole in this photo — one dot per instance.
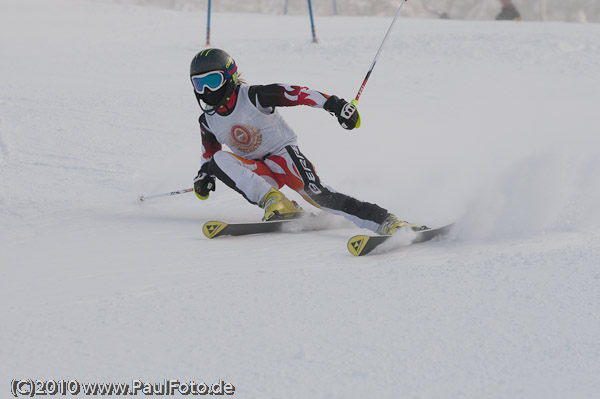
[285, 7]
[312, 22]
[208, 25]
[142, 198]
[378, 53]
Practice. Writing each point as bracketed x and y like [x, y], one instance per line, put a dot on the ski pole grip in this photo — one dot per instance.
[355, 103]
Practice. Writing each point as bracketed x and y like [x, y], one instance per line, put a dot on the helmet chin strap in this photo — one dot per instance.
[208, 111]
[214, 108]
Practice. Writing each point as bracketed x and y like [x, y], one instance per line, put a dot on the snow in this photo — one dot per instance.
[494, 125]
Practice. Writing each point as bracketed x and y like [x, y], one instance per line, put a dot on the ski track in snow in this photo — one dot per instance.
[491, 125]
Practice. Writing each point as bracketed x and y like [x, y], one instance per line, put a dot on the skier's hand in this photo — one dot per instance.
[346, 112]
[204, 183]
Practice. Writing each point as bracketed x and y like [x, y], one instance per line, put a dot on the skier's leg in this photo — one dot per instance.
[255, 181]
[300, 175]
[250, 178]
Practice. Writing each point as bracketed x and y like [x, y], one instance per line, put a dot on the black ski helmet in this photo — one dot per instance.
[215, 60]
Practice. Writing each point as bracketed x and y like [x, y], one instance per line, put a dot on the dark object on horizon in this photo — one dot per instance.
[442, 15]
[509, 12]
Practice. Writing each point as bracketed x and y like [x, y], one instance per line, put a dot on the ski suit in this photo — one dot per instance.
[264, 151]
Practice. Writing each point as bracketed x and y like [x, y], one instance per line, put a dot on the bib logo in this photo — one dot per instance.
[245, 138]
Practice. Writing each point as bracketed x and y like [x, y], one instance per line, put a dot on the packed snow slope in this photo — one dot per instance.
[493, 125]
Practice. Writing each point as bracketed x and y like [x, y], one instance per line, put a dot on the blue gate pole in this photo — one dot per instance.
[312, 22]
[335, 10]
[208, 25]
[285, 6]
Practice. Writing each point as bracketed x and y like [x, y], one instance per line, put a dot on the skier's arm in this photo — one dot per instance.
[282, 95]
[204, 182]
[266, 98]
[210, 144]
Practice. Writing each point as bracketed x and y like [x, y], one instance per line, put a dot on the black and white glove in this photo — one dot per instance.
[204, 182]
[346, 112]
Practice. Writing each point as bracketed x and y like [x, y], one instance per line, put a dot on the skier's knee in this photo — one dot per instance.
[221, 157]
[222, 160]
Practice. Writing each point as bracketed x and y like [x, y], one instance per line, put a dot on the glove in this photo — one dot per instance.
[346, 112]
[204, 183]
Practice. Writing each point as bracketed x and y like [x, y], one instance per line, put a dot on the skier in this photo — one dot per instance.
[509, 12]
[264, 153]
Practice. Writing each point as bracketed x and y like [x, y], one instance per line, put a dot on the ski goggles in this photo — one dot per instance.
[211, 80]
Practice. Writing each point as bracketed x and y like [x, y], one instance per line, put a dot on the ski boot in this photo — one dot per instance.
[278, 207]
[391, 224]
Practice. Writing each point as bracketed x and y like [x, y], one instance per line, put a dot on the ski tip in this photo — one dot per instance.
[357, 244]
[213, 228]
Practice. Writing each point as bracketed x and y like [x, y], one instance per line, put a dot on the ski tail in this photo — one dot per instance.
[364, 244]
[214, 228]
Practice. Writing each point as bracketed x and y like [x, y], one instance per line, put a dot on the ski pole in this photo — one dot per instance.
[208, 25]
[312, 22]
[187, 190]
[355, 101]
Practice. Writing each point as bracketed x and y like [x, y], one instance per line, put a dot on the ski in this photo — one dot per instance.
[363, 244]
[216, 228]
